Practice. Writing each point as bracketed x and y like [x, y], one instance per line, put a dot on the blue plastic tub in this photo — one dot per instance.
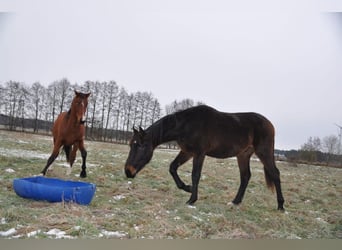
[54, 190]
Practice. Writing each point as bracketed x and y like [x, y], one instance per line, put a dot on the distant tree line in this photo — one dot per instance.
[111, 112]
[325, 151]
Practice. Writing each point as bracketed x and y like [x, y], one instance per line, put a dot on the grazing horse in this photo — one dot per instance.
[68, 131]
[201, 131]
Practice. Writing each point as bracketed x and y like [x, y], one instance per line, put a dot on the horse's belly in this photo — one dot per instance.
[220, 154]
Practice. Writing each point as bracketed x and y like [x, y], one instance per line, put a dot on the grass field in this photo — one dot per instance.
[150, 206]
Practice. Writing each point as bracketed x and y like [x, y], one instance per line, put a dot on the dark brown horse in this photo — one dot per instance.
[201, 131]
[68, 131]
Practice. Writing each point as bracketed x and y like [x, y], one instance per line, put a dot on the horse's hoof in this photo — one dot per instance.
[232, 205]
[83, 174]
[281, 209]
[191, 201]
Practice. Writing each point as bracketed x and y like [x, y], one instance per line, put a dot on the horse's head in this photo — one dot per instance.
[79, 104]
[141, 151]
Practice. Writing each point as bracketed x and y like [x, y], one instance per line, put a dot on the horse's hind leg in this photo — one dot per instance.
[181, 158]
[245, 174]
[83, 173]
[272, 176]
[66, 149]
[72, 156]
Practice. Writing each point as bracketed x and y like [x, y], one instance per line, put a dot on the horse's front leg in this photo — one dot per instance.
[83, 173]
[181, 158]
[196, 175]
[52, 157]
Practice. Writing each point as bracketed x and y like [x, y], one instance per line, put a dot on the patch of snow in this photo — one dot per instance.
[119, 197]
[63, 164]
[33, 233]
[59, 234]
[55, 231]
[321, 220]
[23, 153]
[197, 218]
[293, 237]
[9, 170]
[7, 233]
[3, 221]
[112, 234]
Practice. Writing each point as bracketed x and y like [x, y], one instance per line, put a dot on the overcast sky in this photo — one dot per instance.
[279, 58]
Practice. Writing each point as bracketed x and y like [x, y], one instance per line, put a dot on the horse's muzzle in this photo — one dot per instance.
[130, 171]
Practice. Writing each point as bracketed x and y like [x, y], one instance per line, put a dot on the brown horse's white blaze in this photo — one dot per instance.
[69, 131]
[202, 131]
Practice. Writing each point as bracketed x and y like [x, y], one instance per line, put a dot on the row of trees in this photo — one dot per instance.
[318, 150]
[325, 151]
[111, 113]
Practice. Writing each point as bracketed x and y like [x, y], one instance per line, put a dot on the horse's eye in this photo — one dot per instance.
[133, 143]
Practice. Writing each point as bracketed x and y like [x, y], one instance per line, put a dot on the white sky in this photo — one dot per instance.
[279, 58]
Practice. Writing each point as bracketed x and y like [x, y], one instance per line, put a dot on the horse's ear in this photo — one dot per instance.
[135, 130]
[141, 131]
[88, 94]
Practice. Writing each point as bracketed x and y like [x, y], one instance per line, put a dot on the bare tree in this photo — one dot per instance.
[312, 144]
[330, 144]
[93, 103]
[64, 94]
[112, 91]
[52, 101]
[181, 105]
[37, 95]
[310, 148]
[2, 99]
[156, 111]
[23, 99]
[12, 97]
[122, 109]
[129, 106]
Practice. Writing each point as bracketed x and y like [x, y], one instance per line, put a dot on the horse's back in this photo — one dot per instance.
[215, 129]
[217, 121]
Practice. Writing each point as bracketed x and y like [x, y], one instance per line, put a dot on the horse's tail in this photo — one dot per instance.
[264, 149]
[269, 177]
[67, 149]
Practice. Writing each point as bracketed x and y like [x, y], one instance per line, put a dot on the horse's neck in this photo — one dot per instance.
[71, 116]
[163, 130]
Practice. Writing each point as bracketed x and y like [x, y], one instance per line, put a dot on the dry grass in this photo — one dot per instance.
[151, 206]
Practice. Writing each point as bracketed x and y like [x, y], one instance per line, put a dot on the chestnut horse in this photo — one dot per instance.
[201, 131]
[68, 131]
